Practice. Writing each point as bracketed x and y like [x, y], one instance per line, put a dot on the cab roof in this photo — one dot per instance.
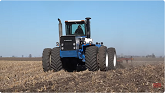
[74, 21]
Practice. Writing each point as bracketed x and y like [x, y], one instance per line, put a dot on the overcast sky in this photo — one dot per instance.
[132, 27]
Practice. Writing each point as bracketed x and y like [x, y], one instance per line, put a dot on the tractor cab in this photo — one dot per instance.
[75, 27]
[77, 34]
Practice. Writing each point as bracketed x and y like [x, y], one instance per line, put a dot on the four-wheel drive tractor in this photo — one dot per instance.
[76, 48]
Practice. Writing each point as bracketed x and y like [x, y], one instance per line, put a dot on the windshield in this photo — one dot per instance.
[75, 28]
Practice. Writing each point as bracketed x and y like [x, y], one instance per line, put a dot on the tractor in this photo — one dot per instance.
[76, 48]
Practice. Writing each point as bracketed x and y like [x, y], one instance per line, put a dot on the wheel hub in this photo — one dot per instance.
[114, 60]
[106, 60]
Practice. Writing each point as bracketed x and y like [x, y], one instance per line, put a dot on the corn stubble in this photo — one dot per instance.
[28, 76]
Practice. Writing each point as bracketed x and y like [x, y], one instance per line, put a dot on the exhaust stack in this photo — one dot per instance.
[88, 27]
[60, 29]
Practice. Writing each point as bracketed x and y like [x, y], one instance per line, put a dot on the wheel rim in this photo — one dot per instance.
[50, 62]
[106, 60]
[114, 60]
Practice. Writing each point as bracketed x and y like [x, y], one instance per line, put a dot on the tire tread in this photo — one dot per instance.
[102, 58]
[111, 51]
[46, 59]
[91, 58]
[56, 63]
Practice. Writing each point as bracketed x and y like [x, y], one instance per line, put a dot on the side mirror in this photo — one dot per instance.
[57, 44]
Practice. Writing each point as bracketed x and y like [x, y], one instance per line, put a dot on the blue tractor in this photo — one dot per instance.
[76, 48]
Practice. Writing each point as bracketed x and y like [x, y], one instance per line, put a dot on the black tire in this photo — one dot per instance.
[46, 59]
[102, 58]
[91, 58]
[56, 63]
[111, 58]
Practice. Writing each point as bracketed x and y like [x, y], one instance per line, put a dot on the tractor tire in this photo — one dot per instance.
[102, 58]
[91, 58]
[56, 63]
[46, 59]
[112, 61]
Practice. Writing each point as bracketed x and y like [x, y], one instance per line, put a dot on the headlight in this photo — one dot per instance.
[62, 48]
[62, 44]
[84, 42]
[81, 42]
[90, 42]
[74, 44]
[74, 47]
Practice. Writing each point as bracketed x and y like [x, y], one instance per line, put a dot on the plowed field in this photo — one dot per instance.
[16, 76]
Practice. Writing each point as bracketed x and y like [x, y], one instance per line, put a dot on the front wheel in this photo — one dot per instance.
[56, 63]
[91, 58]
[46, 59]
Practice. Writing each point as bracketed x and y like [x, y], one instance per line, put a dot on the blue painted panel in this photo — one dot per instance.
[76, 53]
[98, 45]
[70, 53]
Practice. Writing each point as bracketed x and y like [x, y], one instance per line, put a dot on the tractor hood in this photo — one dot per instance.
[72, 42]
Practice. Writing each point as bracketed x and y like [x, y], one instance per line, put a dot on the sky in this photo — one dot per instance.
[131, 27]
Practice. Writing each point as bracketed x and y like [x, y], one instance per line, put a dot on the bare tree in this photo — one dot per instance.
[30, 55]
[153, 56]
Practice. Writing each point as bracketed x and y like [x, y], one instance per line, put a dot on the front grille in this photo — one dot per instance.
[67, 42]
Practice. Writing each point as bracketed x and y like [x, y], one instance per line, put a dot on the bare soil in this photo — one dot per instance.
[28, 76]
[21, 58]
